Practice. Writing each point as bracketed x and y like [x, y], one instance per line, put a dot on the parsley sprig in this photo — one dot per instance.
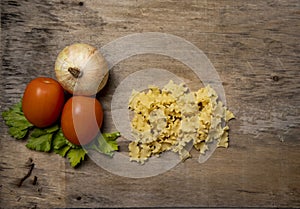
[52, 139]
[15, 119]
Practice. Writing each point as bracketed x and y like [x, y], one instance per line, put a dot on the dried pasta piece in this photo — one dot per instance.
[140, 123]
[184, 154]
[145, 153]
[229, 115]
[156, 147]
[201, 147]
[223, 140]
[134, 151]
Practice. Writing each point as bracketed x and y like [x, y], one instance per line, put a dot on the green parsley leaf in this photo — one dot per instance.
[63, 147]
[74, 146]
[76, 156]
[62, 151]
[111, 136]
[41, 138]
[17, 133]
[59, 140]
[106, 143]
[60, 144]
[37, 132]
[52, 129]
[18, 125]
[40, 143]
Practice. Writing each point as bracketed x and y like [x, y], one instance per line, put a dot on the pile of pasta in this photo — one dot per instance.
[168, 119]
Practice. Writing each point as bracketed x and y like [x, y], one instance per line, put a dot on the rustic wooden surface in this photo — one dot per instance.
[254, 46]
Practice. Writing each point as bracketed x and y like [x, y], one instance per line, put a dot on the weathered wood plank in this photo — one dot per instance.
[255, 49]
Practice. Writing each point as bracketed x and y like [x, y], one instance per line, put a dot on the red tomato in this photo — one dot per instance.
[43, 101]
[81, 119]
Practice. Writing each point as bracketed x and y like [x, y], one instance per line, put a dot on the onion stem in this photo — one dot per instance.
[75, 72]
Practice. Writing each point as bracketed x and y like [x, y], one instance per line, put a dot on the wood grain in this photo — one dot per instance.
[254, 46]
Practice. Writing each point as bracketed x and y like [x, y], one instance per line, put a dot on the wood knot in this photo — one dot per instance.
[275, 78]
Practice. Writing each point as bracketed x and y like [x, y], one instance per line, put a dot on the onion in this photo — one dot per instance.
[81, 69]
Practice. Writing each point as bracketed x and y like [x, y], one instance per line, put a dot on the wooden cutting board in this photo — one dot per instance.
[254, 47]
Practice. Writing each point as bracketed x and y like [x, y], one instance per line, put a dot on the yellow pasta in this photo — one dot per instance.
[168, 119]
